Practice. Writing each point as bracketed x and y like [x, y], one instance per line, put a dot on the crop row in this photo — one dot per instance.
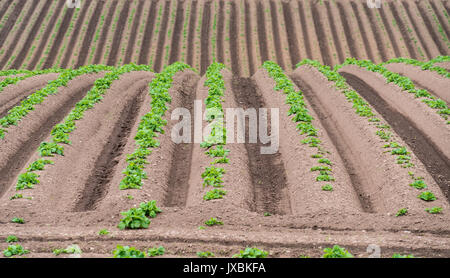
[424, 65]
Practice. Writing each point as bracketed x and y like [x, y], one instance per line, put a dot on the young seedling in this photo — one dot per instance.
[327, 187]
[10, 239]
[127, 252]
[153, 252]
[251, 253]
[402, 212]
[205, 254]
[71, 249]
[15, 250]
[336, 252]
[103, 232]
[434, 210]
[214, 194]
[18, 220]
[419, 184]
[427, 196]
[213, 221]
[400, 256]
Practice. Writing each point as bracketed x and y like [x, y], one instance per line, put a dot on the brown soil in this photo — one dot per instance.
[445, 65]
[204, 47]
[146, 41]
[248, 31]
[235, 66]
[5, 7]
[157, 65]
[276, 34]
[191, 36]
[115, 46]
[293, 46]
[220, 33]
[431, 81]
[106, 25]
[419, 31]
[434, 33]
[425, 132]
[7, 27]
[177, 28]
[262, 33]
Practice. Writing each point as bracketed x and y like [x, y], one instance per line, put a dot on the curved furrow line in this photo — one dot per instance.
[7, 27]
[46, 36]
[234, 40]
[220, 33]
[52, 55]
[162, 37]
[204, 47]
[421, 134]
[417, 30]
[291, 35]
[115, 47]
[16, 39]
[177, 29]
[5, 8]
[320, 33]
[31, 36]
[376, 33]
[442, 48]
[191, 36]
[306, 41]
[262, 37]
[362, 31]
[336, 40]
[276, 34]
[87, 40]
[347, 31]
[147, 40]
[134, 32]
[441, 20]
[390, 32]
[104, 35]
[248, 38]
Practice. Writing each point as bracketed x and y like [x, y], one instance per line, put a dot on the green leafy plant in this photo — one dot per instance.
[400, 256]
[153, 252]
[214, 194]
[134, 218]
[150, 209]
[18, 220]
[419, 184]
[127, 252]
[402, 211]
[10, 239]
[327, 187]
[71, 249]
[206, 254]
[103, 232]
[427, 196]
[251, 253]
[336, 252]
[213, 221]
[15, 250]
[434, 210]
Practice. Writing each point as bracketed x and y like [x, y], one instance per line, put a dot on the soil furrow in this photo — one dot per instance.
[266, 170]
[441, 20]
[220, 31]
[362, 31]
[191, 36]
[103, 37]
[334, 32]
[306, 42]
[96, 185]
[403, 31]
[115, 46]
[162, 37]
[16, 39]
[389, 31]
[442, 48]
[248, 37]
[31, 36]
[343, 147]
[59, 38]
[436, 163]
[178, 27]
[87, 40]
[5, 29]
[204, 47]
[177, 185]
[27, 145]
[147, 40]
[262, 37]
[347, 31]
[234, 40]
[376, 33]
[417, 29]
[134, 32]
[46, 36]
[276, 34]
[292, 39]
[5, 8]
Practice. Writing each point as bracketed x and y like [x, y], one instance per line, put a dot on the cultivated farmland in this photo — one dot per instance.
[88, 107]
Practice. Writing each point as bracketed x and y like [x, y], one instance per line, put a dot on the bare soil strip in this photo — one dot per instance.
[276, 34]
[115, 46]
[306, 42]
[403, 31]
[101, 175]
[31, 36]
[248, 37]
[376, 33]
[362, 31]
[334, 32]
[162, 37]
[347, 31]
[22, 141]
[389, 31]
[191, 35]
[180, 168]
[424, 147]
[5, 8]
[234, 40]
[91, 29]
[16, 39]
[8, 26]
[220, 31]
[431, 81]
[134, 32]
[204, 47]
[14, 94]
[441, 20]
[442, 48]
[418, 30]
[262, 38]
[292, 39]
[147, 40]
[105, 31]
[46, 36]
[267, 170]
[52, 55]
[178, 27]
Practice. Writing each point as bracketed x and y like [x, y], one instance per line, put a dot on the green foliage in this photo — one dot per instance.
[327, 187]
[402, 212]
[103, 232]
[18, 220]
[399, 256]
[49, 149]
[153, 252]
[434, 210]
[206, 254]
[212, 176]
[213, 221]
[15, 250]
[218, 151]
[10, 239]
[134, 218]
[419, 184]
[214, 194]
[427, 196]
[27, 181]
[150, 209]
[336, 252]
[38, 165]
[423, 65]
[72, 249]
[251, 253]
[127, 252]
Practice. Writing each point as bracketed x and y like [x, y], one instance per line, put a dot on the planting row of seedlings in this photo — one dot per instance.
[430, 65]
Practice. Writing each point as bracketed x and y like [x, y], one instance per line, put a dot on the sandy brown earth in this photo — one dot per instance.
[243, 33]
